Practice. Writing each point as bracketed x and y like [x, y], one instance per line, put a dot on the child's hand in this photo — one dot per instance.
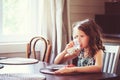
[69, 45]
[65, 70]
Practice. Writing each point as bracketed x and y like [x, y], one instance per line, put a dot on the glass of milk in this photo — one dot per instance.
[75, 47]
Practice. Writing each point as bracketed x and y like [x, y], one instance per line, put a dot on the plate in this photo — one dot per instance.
[3, 58]
[46, 71]
[18, 61]
[55, 67]
[51, 68]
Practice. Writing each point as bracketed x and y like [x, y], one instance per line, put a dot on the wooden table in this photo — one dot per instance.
[35, 69]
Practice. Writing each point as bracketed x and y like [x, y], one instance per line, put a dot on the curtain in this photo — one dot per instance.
[52, 25]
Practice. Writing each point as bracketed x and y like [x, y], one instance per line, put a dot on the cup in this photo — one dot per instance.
[75, 47]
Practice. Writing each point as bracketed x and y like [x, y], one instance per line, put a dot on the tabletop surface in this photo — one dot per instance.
[33, 71]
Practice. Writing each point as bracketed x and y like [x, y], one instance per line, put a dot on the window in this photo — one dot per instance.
[18, 20]
[18, 23]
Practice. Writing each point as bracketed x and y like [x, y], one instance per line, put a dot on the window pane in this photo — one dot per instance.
[19, 19]
[15, 17]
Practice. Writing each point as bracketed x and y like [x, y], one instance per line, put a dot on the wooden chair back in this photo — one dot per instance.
[39, 48]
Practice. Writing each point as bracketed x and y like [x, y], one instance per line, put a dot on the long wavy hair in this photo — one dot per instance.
[91, 29]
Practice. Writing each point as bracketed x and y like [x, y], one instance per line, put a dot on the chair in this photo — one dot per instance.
[39, 48]
[110, 59]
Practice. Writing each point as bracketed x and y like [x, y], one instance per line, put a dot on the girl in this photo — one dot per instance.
[90, 53]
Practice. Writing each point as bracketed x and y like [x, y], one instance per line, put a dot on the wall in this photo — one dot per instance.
[82, 9]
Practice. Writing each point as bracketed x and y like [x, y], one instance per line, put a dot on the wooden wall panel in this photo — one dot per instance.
[87, 2]
[81, 16]
[82, 9]
[86, 9]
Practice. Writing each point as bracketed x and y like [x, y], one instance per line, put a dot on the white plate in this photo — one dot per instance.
[18, 61]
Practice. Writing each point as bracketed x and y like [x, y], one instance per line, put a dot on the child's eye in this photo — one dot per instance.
[81, 36]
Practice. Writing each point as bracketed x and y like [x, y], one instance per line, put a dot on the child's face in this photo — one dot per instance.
[82, 38]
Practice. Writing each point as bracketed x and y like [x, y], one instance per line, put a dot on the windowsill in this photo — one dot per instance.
[13, 47]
